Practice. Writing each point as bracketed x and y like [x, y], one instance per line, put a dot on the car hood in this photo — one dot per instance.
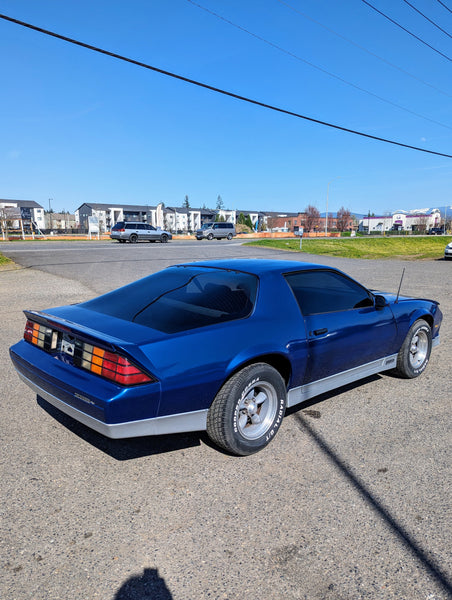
[391, 298]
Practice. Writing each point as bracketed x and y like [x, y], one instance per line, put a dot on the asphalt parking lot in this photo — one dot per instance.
[351, 500]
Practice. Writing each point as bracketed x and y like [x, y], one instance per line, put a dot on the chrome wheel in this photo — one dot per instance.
[248, 410]
[414, 354]
[256, 411]
[419, 349]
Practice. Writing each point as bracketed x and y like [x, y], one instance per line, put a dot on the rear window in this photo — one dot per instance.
[119, 225]
[182, 298]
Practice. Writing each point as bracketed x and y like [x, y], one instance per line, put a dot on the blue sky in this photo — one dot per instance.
[77, 126]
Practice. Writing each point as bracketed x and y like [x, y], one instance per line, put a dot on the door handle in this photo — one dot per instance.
[320, 331]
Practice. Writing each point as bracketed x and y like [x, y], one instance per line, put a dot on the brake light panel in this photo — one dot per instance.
[97, 360]
[40, 335]
[113, 366]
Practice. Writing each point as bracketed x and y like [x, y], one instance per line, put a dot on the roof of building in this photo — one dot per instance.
[127, 207]
[21, 203]
[280, 214]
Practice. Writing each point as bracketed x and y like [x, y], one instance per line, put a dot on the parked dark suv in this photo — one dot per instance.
[130, 231]
[435, 231]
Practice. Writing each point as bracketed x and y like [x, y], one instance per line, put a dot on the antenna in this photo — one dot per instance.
[400, 285]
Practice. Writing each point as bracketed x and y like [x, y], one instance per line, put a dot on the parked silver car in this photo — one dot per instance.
[131, 231]
[448, 251]
[218, 231]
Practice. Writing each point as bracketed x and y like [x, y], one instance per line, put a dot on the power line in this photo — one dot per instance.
[339, 35]
[214, 89]
[406, 30]
[446, 7]
[310, 64]
[425, 17]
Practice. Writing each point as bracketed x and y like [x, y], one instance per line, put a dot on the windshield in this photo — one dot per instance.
[181, 298]
[206, 226]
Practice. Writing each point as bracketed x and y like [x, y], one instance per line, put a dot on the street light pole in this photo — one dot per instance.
[326, 214]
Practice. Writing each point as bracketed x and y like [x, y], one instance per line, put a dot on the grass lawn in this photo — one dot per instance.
[408, 248]
[4, 261]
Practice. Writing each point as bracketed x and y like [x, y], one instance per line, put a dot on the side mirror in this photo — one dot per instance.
[380, 301]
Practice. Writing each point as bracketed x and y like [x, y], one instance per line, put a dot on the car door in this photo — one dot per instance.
[344, 327]
[141, 231]
[152, 232]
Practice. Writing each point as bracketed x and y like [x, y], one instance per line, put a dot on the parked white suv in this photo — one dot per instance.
[216, 230]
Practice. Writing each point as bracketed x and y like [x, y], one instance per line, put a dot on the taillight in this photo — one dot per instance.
[29, 329]
[112, 366]
[40, 335]
[102, 362]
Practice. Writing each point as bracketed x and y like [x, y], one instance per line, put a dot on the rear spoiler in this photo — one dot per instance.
[85, 334]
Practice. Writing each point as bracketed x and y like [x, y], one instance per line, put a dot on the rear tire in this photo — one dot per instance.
[229, 236]
[248, 410]
[414, 354]
[133, 239]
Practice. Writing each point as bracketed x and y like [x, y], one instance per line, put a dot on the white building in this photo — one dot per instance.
[31, 213]
[415, 220]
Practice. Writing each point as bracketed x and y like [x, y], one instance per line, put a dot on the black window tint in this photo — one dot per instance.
[326, 291]
[179, 299]
[129, 226]
[207, 299]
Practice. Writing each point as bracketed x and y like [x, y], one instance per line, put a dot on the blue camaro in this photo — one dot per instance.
[224, 346]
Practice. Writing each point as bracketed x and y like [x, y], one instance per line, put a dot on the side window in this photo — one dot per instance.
[326, 291]
[216, 225]
[129, 226]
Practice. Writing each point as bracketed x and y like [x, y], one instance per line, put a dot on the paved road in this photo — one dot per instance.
[351, 500]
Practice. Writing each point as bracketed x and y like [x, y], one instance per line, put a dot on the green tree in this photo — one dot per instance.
[220, 203]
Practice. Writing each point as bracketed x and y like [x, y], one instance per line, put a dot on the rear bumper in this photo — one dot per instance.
[105, 407]
[194, 421]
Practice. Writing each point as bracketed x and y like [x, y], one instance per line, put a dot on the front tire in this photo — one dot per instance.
[164, 238]
[414, 354]
[248, 410]
[210, 236]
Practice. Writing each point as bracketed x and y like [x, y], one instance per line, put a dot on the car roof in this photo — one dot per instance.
[257, 266]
